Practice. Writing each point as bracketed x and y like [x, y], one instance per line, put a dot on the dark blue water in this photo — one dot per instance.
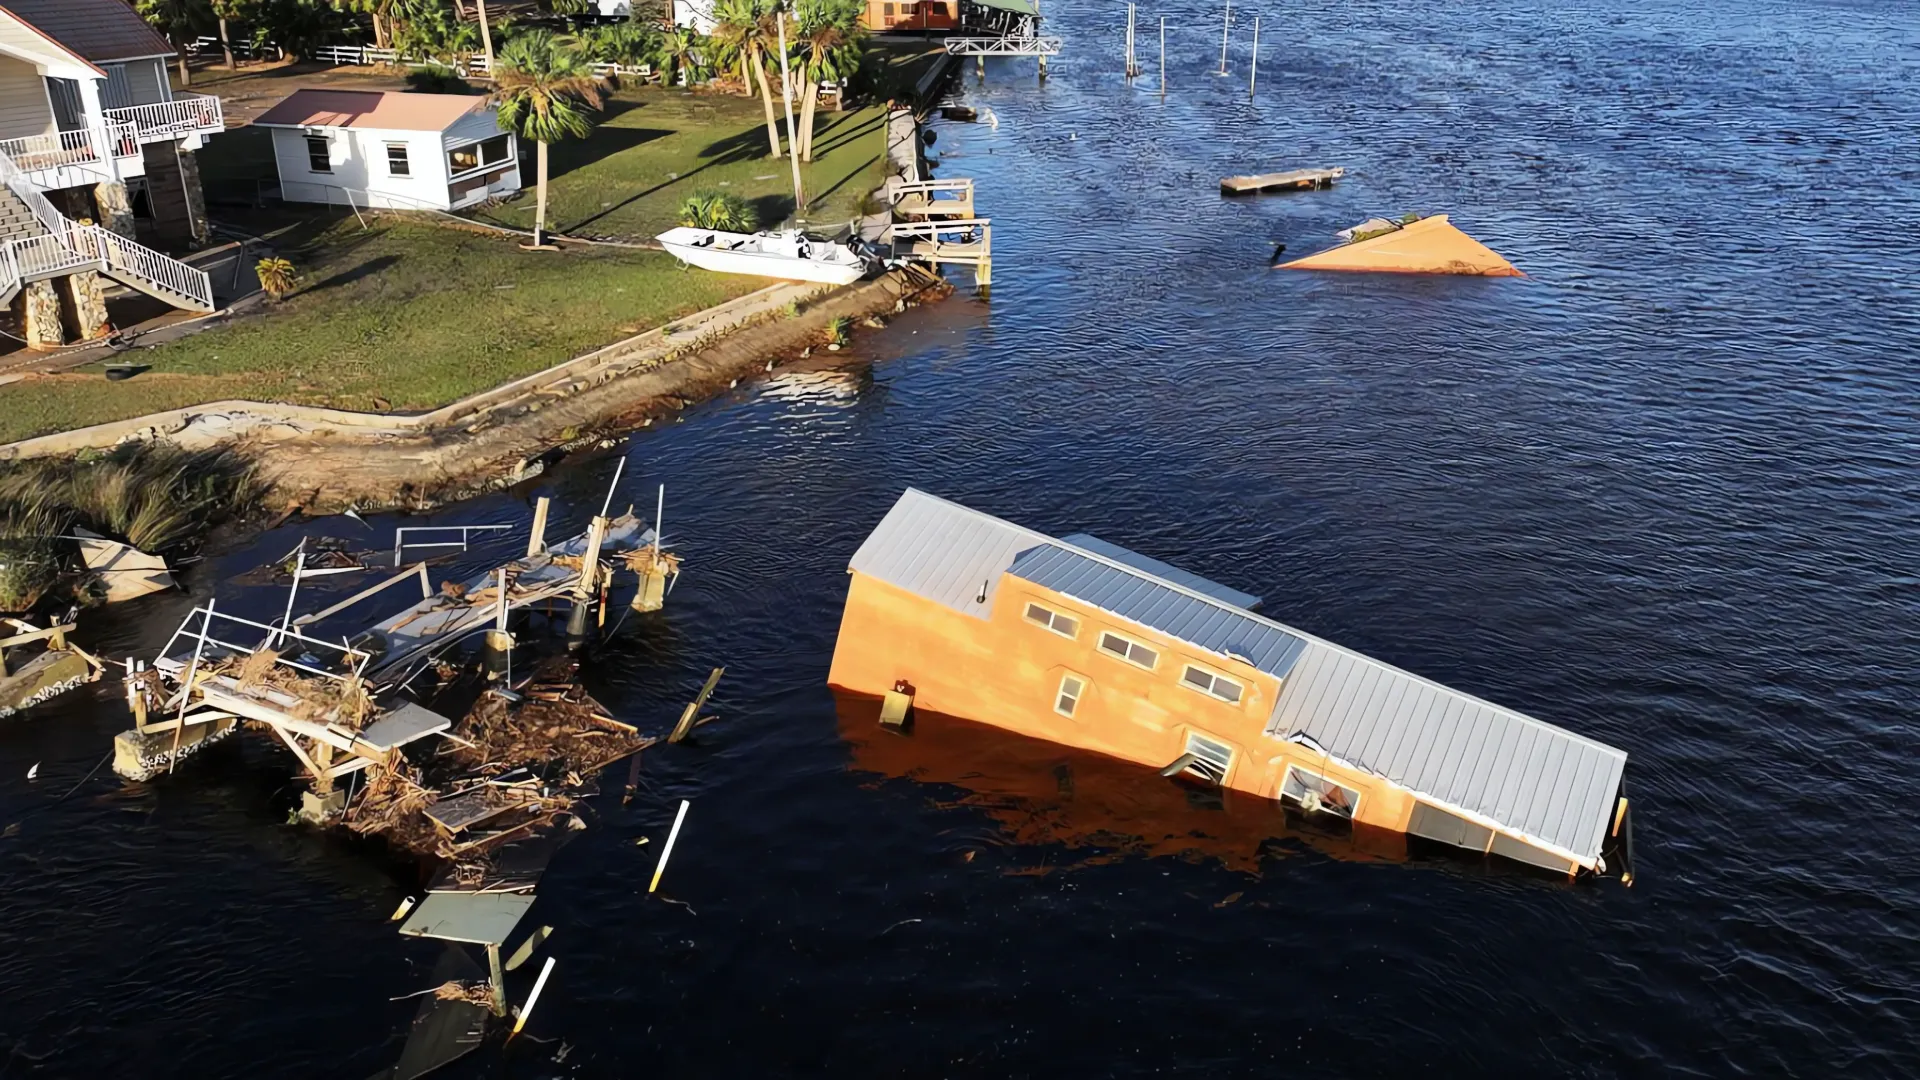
[1662, 492]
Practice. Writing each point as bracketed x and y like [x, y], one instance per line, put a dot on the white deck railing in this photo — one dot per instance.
[66, 247]
[87, 150]
[186, 114]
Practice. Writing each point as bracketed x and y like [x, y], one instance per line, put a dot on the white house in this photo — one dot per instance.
[390, 149]
[90, 131]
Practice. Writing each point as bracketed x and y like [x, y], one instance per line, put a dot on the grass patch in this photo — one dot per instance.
[400, 316]
[655, 147]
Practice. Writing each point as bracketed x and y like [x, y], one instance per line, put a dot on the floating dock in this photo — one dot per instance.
[1297, 180]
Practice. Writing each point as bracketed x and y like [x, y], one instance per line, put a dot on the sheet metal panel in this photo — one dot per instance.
[1453, 748]
[1199, 621]
[1165, 571]
[942, 551]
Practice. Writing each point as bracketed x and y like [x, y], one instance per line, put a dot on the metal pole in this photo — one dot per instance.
[659, 514]
[1163, 56]
[1253, 61]
[1226, 22]
[611, 488]
[299, 564]
[786, 98]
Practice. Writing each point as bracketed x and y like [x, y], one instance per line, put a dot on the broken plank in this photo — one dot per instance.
[681, 729]
[462, 812]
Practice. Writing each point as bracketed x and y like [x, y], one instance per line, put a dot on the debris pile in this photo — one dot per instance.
[513, 765]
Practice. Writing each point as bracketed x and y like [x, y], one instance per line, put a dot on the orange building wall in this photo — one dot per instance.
[1006, 671]
[912, 14]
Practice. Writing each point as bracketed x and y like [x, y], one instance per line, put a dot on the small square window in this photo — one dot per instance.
[1212, 685]
[397, 164]
[1210, 758]
[1126, 649]
[464, 158]
[1317, 794]
[319, 154]
[1071, 688]
[1064, 625]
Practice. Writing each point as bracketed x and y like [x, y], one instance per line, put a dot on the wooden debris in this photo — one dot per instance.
[1298, 179]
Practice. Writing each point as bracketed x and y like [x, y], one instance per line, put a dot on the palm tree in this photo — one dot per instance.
[677, 50]
[831, 43]
[546, 92]
[746, 32]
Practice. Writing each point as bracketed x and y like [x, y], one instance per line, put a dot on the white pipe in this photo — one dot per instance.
[661, 868]
[539, 983]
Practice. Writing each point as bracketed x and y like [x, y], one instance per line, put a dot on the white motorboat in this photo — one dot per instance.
[788, 255]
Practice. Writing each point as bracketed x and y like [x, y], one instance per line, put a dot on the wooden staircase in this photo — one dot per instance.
[37, 242]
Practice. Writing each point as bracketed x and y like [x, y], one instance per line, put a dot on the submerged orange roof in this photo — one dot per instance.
[1428, 246]
[383, 110]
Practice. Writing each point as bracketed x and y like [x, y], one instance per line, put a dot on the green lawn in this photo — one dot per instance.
[654, 147]
[414, 316]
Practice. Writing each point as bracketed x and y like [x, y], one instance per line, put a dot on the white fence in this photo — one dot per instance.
[362, 55]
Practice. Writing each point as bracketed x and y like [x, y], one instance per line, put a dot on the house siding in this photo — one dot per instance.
[23, 100]
[359, 159]
[147, 82]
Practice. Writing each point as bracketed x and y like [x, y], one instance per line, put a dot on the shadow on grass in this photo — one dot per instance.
[861, 170]
[565, 157]
[347, 277]
[732, 156]
[843, 138]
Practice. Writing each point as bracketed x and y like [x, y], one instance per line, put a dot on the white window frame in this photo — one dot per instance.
[406, 159]
[1101, 644]
[326, 141]
[1214, 678]
[1225, 770]
[1079, 694]
[1053, 619]
[1280, 793]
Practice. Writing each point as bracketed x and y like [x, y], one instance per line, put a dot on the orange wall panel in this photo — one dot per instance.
[1006, 671]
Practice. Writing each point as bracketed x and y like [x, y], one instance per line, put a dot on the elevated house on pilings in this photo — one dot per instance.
[96, 166]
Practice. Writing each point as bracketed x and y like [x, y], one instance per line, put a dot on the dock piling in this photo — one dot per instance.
[1226, 24]
[537, 542]
[1163, 56]
[1253, 59]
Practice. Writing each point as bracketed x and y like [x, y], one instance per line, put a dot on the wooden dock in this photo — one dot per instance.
[1297, 180]
[964, 242]
[923, 199]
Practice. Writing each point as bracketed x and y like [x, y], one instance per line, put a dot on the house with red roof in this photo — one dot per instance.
[390, 149]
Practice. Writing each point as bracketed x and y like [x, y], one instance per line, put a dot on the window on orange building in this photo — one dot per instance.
[1062, 624]
[1129, 650]
[1071, 688]
[1210, 759]
[1317, 794]
[1219, 686]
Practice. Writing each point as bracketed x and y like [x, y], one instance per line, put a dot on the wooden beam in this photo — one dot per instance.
[417, 569]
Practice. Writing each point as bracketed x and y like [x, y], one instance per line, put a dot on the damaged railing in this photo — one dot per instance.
[400, 543]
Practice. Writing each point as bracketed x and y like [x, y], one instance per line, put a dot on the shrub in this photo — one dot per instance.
[436, 79]
[839, 330]
[276, 277]
[718, 210]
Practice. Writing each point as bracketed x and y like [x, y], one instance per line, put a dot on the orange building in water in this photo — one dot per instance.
[1087, 644]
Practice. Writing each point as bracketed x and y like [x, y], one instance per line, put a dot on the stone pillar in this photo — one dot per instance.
[42, 317]
[89, 296]
[196, 195]
[116, 208]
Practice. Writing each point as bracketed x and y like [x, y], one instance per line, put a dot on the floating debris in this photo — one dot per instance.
[123, 571]
[1412, 245]
[60, 666]
[1296, 180]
